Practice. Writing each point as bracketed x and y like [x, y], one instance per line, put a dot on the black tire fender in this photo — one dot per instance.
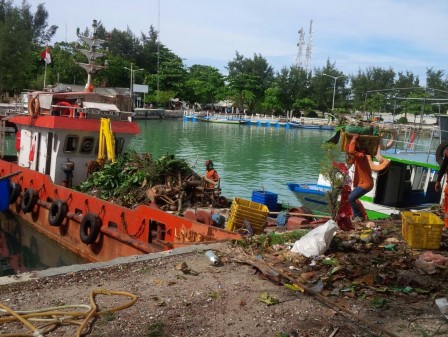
[57, 212]
[90, 228]
[440, 152]
[29, 200]
[14, 192]
[223, 201]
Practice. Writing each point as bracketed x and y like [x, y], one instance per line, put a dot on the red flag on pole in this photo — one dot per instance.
[46, 55]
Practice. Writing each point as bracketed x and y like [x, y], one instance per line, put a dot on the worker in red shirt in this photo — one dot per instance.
[211, 175]
[362, 179]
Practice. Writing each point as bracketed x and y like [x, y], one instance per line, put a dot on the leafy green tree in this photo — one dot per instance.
[416, 104]
[205, 85]
[435, 79]
[305, 104]
[160, 99]
[147, 56]
[170, 80]
[406, 80]
[22, 35]
[293, 85]
[116, 74]
[41, 33]
[322, 87]
[376, 102]
[271, 101]
[125, 44]
[248, 80]
[369, 82]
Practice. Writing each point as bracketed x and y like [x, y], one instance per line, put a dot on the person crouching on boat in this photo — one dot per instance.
[438, 187]
[362, 178]
[211, 175]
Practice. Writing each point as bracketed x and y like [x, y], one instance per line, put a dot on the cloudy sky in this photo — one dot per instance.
[406, 35]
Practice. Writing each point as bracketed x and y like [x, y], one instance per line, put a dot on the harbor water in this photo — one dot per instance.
[247, 158]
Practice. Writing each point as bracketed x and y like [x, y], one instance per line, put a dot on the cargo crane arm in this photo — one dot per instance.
[106, 145]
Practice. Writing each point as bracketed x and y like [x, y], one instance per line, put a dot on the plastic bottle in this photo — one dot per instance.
[212, 257]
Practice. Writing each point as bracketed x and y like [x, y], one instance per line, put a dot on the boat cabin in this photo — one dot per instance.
[60, 134]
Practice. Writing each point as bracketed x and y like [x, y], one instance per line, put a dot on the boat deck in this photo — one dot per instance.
[424, 159]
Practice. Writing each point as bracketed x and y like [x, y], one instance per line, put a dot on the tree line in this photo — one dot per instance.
[250, 83]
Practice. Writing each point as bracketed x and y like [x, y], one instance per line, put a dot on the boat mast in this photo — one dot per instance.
[92, 54]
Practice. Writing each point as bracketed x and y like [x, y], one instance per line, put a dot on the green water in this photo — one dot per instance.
[247, 158]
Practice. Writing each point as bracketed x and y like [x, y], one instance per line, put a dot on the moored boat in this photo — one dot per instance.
[60, 139]
[222, 120]
[312, 196]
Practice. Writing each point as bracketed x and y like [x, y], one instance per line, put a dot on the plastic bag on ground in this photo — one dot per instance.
[317, 241]
[442, 303]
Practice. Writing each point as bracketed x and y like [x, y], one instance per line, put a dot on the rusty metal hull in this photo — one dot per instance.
[123, 231]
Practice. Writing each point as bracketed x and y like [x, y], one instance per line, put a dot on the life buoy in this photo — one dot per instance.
[90, 228]
[69, 111]
[440, 152]
[89, 88]
[57, 212]
[14, 191]
[29, 200]
[34, 106]
[391, 142]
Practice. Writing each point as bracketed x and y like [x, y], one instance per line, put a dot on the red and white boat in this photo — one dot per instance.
[55, 139]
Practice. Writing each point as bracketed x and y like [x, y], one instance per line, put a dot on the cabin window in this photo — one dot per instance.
[87, 145]
[71, 143]
[119, 145]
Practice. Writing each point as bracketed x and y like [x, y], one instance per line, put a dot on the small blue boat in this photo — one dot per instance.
[312, 196]
[229, 120]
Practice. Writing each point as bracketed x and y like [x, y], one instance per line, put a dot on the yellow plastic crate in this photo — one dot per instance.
[251, 211]
[421, 230]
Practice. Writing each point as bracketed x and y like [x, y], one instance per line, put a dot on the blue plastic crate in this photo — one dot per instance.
[266, 198]
[4, 194]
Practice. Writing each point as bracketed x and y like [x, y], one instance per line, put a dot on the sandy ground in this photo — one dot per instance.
[186, 295]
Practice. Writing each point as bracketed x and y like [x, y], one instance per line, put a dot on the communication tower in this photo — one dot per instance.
[309, 48]
[300, 44]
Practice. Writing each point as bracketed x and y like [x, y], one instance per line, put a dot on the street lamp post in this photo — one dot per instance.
[131, 85]
[334, 87]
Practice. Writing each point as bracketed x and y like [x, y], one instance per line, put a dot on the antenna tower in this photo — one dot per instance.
[309, 48]
[300, 44]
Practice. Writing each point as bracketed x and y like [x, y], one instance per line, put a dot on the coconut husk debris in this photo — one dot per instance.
[138, 178]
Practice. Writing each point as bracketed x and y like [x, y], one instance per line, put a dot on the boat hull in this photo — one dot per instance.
[312, 196]
[222, 120]
[123, 232]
